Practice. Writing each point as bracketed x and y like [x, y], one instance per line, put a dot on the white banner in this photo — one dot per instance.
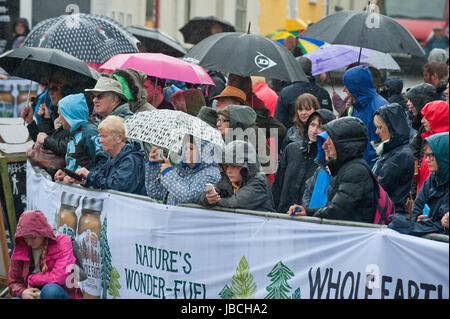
[149, 250]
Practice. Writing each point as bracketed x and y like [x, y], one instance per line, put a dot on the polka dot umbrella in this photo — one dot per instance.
[89, 37]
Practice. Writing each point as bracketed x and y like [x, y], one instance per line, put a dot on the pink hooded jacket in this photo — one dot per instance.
[59, 259]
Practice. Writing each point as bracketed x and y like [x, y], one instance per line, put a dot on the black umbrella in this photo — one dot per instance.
[156, 41]
[89, 37]
[365, 30]
[198, 28]
[37, 63]
[245, 55]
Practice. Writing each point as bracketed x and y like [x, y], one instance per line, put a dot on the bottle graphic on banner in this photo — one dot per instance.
[6, 101]
[89, 228]
[67, 219]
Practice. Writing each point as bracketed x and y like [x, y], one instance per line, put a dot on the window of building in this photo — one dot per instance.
[187, 11]
[292, 9]
[241, 15]
[150, 13]
[129, 19]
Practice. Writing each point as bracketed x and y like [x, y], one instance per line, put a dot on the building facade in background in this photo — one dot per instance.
[263, 16]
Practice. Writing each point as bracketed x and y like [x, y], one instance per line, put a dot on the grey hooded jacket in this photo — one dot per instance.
[254, 190]
[135, 80]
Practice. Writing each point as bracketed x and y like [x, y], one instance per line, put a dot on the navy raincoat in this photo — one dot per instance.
[124, 172]
[395, 166]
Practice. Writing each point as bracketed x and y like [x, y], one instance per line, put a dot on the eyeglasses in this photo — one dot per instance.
[430, 156]
[54, 88]
[221, 121]
[98, 96]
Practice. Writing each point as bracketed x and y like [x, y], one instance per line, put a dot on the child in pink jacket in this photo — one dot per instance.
[41, 262]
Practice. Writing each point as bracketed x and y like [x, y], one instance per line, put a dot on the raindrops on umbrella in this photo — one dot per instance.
[89, 37]
[167, 128]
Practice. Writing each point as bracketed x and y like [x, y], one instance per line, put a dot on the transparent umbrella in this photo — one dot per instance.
[167, 128]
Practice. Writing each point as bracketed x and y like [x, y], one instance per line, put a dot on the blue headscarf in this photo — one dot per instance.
[74, 109]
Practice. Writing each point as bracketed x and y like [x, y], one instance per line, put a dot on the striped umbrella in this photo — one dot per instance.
[307, 45]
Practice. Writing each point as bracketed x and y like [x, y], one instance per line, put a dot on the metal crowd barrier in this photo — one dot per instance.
[433, 236]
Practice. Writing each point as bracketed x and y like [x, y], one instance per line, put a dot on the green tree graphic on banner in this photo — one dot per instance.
[297, 294]
[106, 258]
[279, 275]
[114, 284]
[226, 293]
[242, 284]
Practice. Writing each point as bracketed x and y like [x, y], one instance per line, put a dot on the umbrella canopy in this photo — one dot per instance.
[305, 44]
[37, 63]
[89, 37]
[167, 128]
[156, 41]
[198, 28]
[245, 55]
[367, 30]
[335, 56]
[161, 66]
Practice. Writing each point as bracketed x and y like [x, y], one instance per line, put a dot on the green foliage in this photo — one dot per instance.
[279, 275]
[106, 258]
[242, 284]
[114, 284]
[297, 294]
[226, 293]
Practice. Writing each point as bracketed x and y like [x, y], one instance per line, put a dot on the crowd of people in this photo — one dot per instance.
[318, 162]
[303, 152]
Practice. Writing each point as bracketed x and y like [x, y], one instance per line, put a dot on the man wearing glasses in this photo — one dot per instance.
[109, 100]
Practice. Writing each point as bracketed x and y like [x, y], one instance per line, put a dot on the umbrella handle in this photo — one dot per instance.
[331, 81]
[29, 92]
[359, 56]
[154, 91]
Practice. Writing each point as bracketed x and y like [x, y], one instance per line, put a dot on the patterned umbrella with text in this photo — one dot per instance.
[89, 37]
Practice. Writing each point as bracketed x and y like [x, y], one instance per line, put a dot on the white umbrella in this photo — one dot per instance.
[167, 128]
[331, 57]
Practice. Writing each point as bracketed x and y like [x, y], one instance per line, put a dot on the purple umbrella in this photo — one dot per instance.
[331, 57]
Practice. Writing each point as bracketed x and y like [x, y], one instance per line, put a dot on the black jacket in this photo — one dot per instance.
[395, 166]
[285, 108]
[394, 94]
[213, 90]
[350, 196]
[296, 166]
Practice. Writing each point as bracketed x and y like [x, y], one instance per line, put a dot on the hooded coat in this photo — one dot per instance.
[434, 193]
[437, 114]
[245, 118]
[59, 258]
[285, 108]
[395, 166]
[419, 96]
[124, 172]
[83, 147]
[297, 164]
[358, 80]
[254, 190]
[135, 80]
[350, 195]
[395, 87]
[179, 185]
